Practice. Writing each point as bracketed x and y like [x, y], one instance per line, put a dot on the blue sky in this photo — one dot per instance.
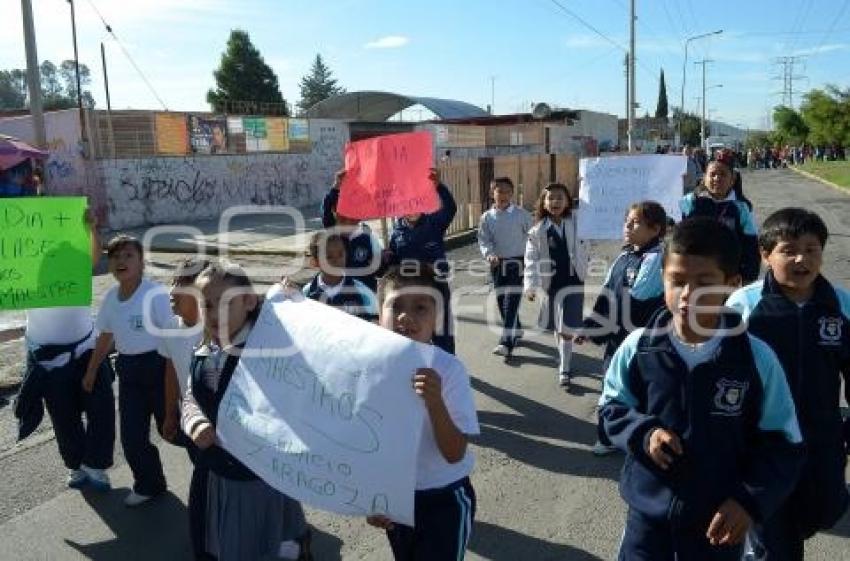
[444, 48]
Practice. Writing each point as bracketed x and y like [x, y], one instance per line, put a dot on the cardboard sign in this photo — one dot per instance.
[388, 176]
[321, 407]
[45, 253]
[610, 185]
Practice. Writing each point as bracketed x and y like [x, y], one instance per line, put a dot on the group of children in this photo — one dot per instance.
[723, 391]
[177, 350]
[730, 420]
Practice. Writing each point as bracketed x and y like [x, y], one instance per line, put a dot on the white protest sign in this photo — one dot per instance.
[610, 185]
[321, 406]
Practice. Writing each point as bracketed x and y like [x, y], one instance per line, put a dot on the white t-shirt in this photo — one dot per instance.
[179, 346]
[694, 355]
[432, 469]
[134, 321]
[58, 326]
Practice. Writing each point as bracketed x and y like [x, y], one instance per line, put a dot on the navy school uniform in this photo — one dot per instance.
[60, 390]
[735, 418]
[141, 393]
[564, 275]
[423, 242]
[363, 254]
[329, 202]
[736, 215]
[813, 343]
[633, 286]
[353, 297]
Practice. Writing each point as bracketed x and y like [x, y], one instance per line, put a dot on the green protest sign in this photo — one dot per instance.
[45, 253]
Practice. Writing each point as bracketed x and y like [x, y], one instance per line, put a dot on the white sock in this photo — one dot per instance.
[565, 351]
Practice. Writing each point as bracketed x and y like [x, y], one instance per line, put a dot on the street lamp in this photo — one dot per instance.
[684, 74]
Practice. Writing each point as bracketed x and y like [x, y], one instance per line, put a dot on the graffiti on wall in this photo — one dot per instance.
[173, 190]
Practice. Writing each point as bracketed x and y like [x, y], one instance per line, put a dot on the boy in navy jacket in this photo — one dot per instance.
[418, 238]
[702, 410]
[331, 286]
[806, 321]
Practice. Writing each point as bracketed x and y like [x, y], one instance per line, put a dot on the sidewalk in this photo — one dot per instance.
[274, 233]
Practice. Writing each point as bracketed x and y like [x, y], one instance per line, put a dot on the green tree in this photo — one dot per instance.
[827, 115]
[690, 127]
[318, 85]
[243, 76]
[12, 90]
[790, 125]
[58, 86]
[758, 139]
[661, 108]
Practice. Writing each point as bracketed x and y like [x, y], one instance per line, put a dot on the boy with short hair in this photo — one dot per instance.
[806, 320]
[331, 286]
[502, 235]
[445, 502]
[702, 410]
[126, 313]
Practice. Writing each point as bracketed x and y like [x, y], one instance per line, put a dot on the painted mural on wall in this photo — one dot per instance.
[174, 190]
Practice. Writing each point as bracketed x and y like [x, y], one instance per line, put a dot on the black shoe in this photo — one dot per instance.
[565, 379]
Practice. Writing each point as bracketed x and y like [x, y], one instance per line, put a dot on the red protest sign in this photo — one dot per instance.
[388, 176]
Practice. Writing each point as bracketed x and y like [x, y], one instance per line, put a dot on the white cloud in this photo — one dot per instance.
[585, 42]
[388, 42]
[822, 49]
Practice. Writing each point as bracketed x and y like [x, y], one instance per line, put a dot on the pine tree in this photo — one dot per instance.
[243, 76]
[661, 109]
[318, 85]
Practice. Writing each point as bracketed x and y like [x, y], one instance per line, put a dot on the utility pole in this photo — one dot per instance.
[684, 71]
[788, 77]
[628, 94]
[83, 136]
[33, 76]
[703, 62]
[492, 95]
[632, 92]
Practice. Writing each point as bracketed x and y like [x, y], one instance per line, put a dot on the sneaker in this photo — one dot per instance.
[502, 350]
[135, 499]
[97, 478]
[76, 478]
[600, 449]
[564, 379]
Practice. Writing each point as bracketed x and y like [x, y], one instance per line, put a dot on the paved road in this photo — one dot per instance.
[542, 495]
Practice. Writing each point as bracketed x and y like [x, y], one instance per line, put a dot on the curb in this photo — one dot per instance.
[451, 242]
[826, 182]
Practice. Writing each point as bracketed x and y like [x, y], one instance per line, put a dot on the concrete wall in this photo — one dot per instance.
[173, 190]
[66, 171]
[600, 126]
[167, 189]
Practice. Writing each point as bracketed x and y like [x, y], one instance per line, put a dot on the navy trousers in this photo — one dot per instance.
[651, 540]
[507, 281]
[442, 525]
[92, 443]
[141, 394]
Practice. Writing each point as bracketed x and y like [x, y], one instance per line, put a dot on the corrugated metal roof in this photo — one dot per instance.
[379, 106]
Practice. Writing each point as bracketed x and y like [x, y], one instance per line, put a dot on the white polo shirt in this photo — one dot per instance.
[134, 322]
[433, 471]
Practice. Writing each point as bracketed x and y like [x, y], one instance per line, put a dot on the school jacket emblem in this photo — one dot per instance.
[830, 330]
[729, 398]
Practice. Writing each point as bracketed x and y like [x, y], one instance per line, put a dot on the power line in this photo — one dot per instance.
[584, 22]
[831, 27]
[127, 54]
